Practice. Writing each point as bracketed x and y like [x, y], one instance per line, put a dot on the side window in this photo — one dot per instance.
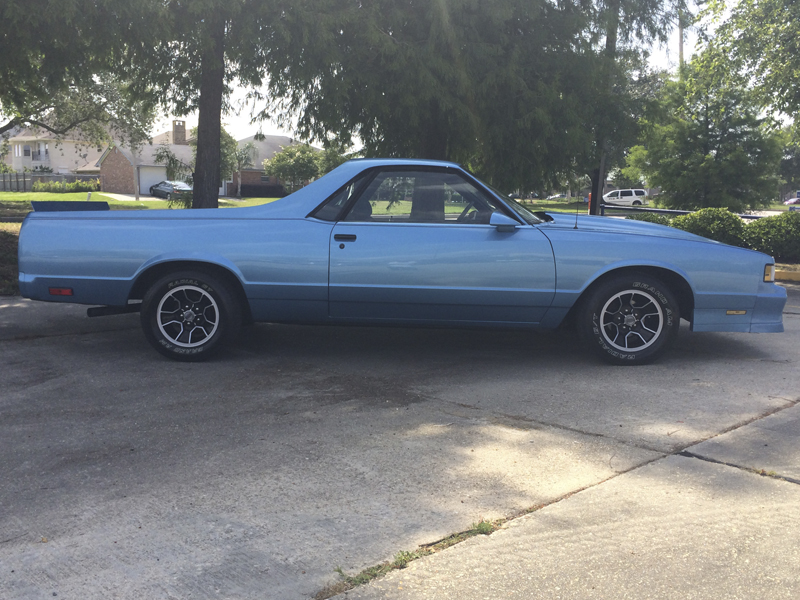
[614, 195]
[639, 192]
[422, 197]
[333, 207]
[626, 193]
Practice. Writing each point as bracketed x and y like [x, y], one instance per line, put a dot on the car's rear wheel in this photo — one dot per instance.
[629, 319]
[188, 315]
[637, 203]
[169, 196]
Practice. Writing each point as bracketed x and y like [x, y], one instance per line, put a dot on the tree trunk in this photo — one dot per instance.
[598, 175]
[434, 136]
[207, 164]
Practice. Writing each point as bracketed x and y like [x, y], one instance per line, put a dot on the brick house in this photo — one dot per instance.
[121, 170]
[254, 182]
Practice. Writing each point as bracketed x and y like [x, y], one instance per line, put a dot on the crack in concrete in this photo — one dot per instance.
[762, 472]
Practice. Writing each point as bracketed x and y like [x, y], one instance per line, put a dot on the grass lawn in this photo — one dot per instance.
[9, 234]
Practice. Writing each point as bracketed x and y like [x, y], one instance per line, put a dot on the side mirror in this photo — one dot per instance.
[502, 222]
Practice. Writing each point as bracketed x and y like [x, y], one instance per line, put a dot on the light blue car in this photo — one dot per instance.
[396, 242]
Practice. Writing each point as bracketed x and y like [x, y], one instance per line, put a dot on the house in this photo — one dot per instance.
[121, 169]
[35, 149]
[254, 182]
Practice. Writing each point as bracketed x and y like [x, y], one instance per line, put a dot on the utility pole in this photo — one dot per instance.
[680, 44]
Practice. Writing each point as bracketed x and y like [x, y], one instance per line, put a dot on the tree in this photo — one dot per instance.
[243, 159]
[176, 168]
[762, 38]
[293, 165]
[227, 159]
[193, 56]
[790, 162]
[711, 148]
[516, 89]
[330, 158]
[57, 72]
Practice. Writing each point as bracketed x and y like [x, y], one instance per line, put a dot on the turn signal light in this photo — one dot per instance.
[769, 273]
[61, 291]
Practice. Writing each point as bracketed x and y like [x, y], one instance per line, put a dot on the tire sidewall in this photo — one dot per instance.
[590, 319]
[227, 318]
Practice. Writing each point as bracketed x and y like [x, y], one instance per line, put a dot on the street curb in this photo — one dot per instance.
[787, 275]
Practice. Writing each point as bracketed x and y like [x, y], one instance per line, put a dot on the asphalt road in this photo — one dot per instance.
[303, 450]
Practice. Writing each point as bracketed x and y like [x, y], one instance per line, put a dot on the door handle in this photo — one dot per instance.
[344, 237]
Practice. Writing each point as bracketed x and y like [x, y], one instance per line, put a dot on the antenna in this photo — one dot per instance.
[576, 215]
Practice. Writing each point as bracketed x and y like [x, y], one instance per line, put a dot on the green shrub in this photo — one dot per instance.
[651, 218]
[62, 187]
[714, 223]
[778, 236]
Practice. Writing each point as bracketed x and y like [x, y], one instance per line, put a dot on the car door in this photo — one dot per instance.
[418, 247]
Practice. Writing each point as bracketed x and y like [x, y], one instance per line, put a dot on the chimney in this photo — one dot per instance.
[179, 133]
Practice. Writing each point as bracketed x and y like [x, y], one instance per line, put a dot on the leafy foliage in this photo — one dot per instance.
[330, 158]
[778, 236]
[512, 88]
[58, 73]
[294, 165]
[656, 218]
[176, 168]
[710, 148]
[762, 38]
[790, 162]
[64, 187]
[243, 159]
[713, 223]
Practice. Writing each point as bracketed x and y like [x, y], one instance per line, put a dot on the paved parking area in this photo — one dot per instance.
[307, 449]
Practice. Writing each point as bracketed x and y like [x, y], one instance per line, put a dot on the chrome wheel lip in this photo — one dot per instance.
[188, 309]
[649, 309]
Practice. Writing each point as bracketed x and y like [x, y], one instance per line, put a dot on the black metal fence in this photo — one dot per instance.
[659, 211]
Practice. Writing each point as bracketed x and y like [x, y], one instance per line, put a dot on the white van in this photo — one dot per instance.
[626, 198]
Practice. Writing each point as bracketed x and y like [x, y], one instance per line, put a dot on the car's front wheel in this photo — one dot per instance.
[629, 319]
[187, 315]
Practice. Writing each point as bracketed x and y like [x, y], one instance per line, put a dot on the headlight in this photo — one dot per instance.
[769, 273]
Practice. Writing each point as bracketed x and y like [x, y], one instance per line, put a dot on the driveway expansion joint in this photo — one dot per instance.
[762, 472]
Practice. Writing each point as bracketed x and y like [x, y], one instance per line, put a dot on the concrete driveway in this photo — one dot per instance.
[304, 450]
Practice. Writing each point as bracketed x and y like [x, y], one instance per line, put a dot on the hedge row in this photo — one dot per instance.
[778, 236]
[62, 187]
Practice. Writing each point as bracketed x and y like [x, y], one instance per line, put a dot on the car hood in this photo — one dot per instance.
[621, 226]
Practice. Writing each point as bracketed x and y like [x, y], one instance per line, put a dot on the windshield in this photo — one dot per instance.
[523, 212]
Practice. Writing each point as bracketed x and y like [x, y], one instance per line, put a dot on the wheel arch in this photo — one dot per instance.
[675, 281]
[155, 272]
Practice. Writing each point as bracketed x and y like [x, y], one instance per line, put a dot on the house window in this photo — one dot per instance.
[26, 150]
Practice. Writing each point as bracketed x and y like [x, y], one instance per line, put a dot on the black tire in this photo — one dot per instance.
[169, 196]
[152, 192]
[637, 203]
[188, 315]
[629, 319]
